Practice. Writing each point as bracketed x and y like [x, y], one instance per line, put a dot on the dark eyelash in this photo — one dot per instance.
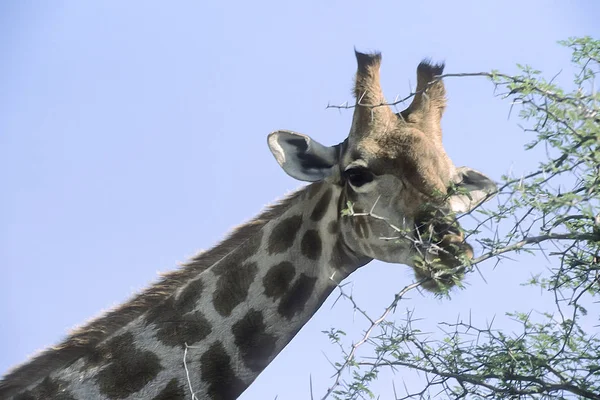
[358, 176]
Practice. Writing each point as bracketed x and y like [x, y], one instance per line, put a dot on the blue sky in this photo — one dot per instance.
[133, 134]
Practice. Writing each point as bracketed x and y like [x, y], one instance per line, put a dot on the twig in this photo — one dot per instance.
[187, 372]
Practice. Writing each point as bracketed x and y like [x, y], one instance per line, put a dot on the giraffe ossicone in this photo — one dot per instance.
[233, 308]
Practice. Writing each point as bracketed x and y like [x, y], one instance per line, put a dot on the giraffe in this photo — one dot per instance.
[233, 308]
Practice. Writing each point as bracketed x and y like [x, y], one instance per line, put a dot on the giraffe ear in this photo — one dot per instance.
[474, 188]
[301, 157]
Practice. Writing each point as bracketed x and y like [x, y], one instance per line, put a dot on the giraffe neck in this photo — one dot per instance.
[230, 318]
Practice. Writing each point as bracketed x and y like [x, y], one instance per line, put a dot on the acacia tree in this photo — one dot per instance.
[554, 210]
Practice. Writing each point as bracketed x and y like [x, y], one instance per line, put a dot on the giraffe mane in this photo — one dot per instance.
[84, 338]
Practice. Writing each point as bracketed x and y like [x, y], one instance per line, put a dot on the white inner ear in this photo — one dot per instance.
[480, 189]
[460, 204]
[277, 149]
[301, 157]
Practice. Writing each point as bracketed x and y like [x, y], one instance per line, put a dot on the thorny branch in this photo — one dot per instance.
[556, 206]
[374, 323]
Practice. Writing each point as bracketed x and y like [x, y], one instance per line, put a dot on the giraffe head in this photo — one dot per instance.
[395, 177]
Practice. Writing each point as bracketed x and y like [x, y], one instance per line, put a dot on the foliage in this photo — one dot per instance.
[557, 207]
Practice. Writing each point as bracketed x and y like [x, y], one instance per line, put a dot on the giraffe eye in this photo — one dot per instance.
[358, 176]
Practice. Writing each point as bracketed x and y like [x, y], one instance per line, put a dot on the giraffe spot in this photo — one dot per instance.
[129, 369]
[215, 365]
[322, 206]
[252, 245]
[278, 278]
[240, 255]
[232, 287]
[295, 299]
[173, 391]
[256, 346]
[173, 306]
[176, 322]
[311, 245]
[283, 235]
[189, 328]
[186, 301]
[333, 227]
[47, 389]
